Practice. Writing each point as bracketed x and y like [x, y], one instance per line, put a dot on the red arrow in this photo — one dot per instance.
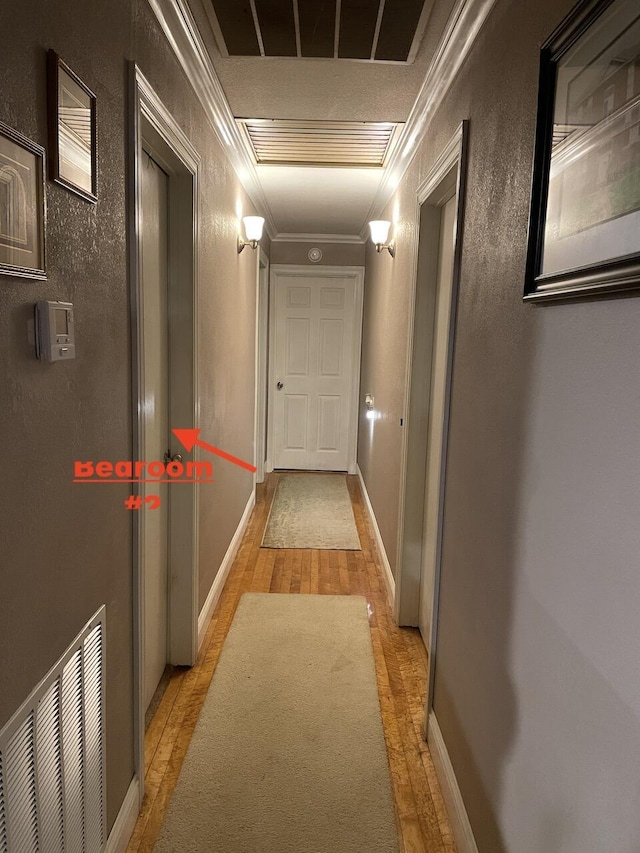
[189, 438]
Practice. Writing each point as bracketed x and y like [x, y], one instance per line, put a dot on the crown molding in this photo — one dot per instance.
[465, 22]
[284, 237]
[181, 31]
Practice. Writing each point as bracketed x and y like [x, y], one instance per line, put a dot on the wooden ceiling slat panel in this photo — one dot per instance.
[236, 23]
[399, 23]
[319, 140]
[286, 146]
[325, 156]
[297, 161]
[317, 124]
[277, 26]
[311, 135]
[317, 19]
[326, 143]
[328, 153]
[296, 143]
[335, 156]
[320, 157]
[334, 146]
[317, 27]
[357, 27]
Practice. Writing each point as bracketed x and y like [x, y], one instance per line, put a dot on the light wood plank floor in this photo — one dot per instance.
[400, 658]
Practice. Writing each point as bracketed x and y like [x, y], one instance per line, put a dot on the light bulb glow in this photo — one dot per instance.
[379, 231]
[253, 226]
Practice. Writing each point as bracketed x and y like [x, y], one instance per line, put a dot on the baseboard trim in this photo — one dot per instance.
[223, 572]
[388, 574]
[122, 829]
[457, 812]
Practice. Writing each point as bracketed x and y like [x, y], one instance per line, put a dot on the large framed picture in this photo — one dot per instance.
[72, 130]
[584, 228]
[22, 177]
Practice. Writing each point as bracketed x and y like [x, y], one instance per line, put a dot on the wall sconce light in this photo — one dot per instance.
[380, 234]
[253, 232]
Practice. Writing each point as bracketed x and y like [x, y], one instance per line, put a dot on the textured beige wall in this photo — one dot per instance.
[67, 549]
[536, 688]
[385, 332]
[333, 254]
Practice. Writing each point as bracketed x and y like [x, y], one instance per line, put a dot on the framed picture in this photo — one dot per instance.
[72, 130]
[584, 228]
[22, 177]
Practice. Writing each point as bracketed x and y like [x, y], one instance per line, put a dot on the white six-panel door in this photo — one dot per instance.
[314, 377]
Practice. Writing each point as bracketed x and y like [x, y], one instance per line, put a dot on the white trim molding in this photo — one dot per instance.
[388, 574]
[285, 237]
[182, 33]
[460, 824]
[153, 125]
[262, 360]
[465, 22]
[223, 572]
[451, 156]
[124, 824]
[408, 562]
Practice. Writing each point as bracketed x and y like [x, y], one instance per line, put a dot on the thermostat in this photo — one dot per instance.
[55, 335]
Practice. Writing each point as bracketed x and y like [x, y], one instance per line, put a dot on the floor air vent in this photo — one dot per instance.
[52, 780]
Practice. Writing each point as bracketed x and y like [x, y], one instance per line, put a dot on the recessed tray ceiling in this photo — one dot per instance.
[377, 30]
[319, 143]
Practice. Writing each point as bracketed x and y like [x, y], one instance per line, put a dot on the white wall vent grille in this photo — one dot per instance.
[319, 143]
[52, 762]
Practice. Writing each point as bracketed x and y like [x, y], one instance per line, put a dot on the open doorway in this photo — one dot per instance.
[439, 212]
[164, 233]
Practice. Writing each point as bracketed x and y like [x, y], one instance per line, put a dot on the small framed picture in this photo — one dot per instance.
[72, 130]
[584, 228]
[22, 205]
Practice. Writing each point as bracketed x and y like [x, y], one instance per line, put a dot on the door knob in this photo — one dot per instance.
[280, 386]
[169, 457]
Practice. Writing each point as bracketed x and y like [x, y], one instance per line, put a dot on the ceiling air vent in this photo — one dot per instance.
[319, 143]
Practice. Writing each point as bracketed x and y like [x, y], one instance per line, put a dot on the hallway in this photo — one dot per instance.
[394, 238]
[400, 660]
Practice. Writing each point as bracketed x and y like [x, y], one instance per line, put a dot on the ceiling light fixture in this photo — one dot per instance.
[380, 234]
[253, 226]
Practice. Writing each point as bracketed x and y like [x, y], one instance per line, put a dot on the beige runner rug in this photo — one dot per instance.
[288, 755]
[312, 511]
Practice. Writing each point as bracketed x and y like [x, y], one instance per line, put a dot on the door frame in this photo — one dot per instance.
[153, 126]
[262, 360]
[451, 162]
[357, 274]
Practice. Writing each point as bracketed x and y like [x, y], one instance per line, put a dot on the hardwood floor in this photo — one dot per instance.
[401, 669]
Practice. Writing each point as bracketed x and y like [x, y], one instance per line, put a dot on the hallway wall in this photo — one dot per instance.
[536, 691]
[333, 254]
[66, 549]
